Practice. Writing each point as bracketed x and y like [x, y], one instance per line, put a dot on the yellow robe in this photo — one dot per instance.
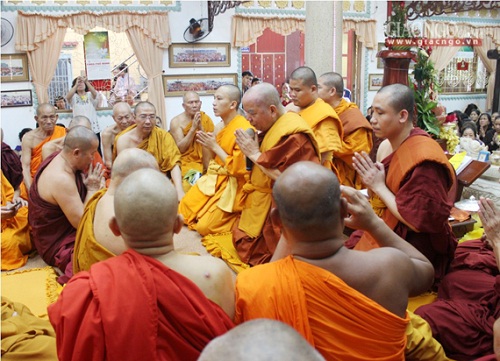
[213, 203]
[87, 250]
[16, 241]
[36, 152]
[160, 144]
[357, 138]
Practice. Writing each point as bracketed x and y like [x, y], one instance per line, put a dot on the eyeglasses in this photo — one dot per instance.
[147, 116]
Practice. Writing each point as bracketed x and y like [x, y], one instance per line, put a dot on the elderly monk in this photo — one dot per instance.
[214, 202]
[358, 132]
[123, 117]
[183, 128]
[173, 304]
[145, 135]
[34, 140]
[284, 139]
[409, 187]
[321, 117]
[336, 298]
[94, 239]
[58, 196]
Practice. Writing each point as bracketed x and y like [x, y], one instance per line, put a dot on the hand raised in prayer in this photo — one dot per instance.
[10, 210]
[359, 210]
[248, 145]
[93, 178]
[490, 218]
[197, 121]
[206, 139]
[372, 174]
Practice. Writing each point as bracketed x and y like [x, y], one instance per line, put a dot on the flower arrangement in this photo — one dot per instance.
[396, 27]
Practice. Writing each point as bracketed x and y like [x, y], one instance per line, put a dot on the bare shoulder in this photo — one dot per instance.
[218, 127]
[175, 122]
[384, 150]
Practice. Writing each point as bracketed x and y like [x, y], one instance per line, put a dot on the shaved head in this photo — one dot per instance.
[190, 95]
[260, 339]
[233, 92]
[44, 106]
[144, 105]
[121, 107]
[80, 120]
[305, 74]
[263, 93]
[307, 196]
[400, 97]
[334, 80]
[131, 159]
[79, 137]
[145, 207]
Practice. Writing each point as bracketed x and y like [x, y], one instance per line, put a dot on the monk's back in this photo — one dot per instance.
[103, 213]
[53, 174]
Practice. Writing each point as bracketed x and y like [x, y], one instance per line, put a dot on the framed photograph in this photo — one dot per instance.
[14, 68]
[375, 81]
[380, 62]
[199, 55]
[16, 98]
[177, 85]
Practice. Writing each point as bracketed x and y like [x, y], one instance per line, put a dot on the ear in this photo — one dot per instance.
[179, 221]
[314, 88]
[234, 104]
[113, 225]
[403, 116]
[343, 208]
[76, 152]
[275, 217]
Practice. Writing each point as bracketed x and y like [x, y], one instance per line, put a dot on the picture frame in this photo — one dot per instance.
[14, 68]
[375, 81]
[17, 98]
[203, 84]
[380, 62]
[182, 55]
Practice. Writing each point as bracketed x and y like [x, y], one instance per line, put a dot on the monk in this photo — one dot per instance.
[358, 132]
[58, 196]
[94, 240]
[145, 135]
[34, 140]
[336, 298]
[410, 186]
[284, 139]
[260, 340]
[150, 303]
[12, 167]
[323, 120]
[123, 117]
[214, 202]
[183, 128]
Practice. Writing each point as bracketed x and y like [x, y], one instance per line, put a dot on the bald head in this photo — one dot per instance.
[315, 206]
[121, 107]
[45, 107]
[141, 105]
[145, 207]
[233, 92]
[263, 93]
[79, 138]
[80, 120]
[334, 80]
[260, 339]
[190, 96]
[399, 97]
[304, 74]
[129, 160]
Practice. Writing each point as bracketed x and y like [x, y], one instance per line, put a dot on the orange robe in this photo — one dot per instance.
[340, 322]
[327, 129]
[213, 203]
[358, 137]
[16, 240]
[87, 249]
[133, 307]
[36, 152]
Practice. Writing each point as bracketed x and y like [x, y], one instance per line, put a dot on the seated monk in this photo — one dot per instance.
[145, 135]
[214, 202]
[336, 298]
[183, 128]
[58, 196]
[149, 303]
[123, 117]
[358, 134]
[94, 240]
[33, 141]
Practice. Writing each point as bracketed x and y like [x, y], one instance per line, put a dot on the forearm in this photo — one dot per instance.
[271, 173]
[91, 89]
[186, 142]
[27, 178]
[218, 151]
[70, 94]
[389, 200]
[176, 175]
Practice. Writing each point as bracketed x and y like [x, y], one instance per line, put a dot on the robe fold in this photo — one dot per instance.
[16, 241]
[53, 234]
[358, 137]
[36, 152]
[87, 249]
[133, 307]
[288, 141]
[340, 322]
[213, 203]
[12, 168]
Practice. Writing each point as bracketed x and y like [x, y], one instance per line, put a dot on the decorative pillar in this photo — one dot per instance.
[319, 37]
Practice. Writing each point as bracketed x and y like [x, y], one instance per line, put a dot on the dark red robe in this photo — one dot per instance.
[12, 167]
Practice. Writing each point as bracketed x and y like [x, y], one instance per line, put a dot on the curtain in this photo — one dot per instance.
[490, 65]
[246, 29]
[365, 29]
[442, 55]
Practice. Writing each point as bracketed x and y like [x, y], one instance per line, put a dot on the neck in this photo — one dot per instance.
[311, 103]
[228, 117]
[335, 102]
[401, 137]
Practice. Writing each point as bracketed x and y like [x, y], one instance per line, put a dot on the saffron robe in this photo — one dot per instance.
[36, 152]
[213, 203]
[16, 242]
[288, 141]
[327, 129]
[420, 176]
[160, 144]
[358, 137]
[340, 322]
[133, 307]
[53, 234]
[12, 167]
[87, 249]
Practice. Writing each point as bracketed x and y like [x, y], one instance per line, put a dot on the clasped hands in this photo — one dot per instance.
[248, 145]
[372, 174]
[490, 218]
[94, 179]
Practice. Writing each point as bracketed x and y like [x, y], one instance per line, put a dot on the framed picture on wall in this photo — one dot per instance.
[14, 68]
[380, 62]
[16, 98]
[375, 81]
[177, 85]
[193, 55]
